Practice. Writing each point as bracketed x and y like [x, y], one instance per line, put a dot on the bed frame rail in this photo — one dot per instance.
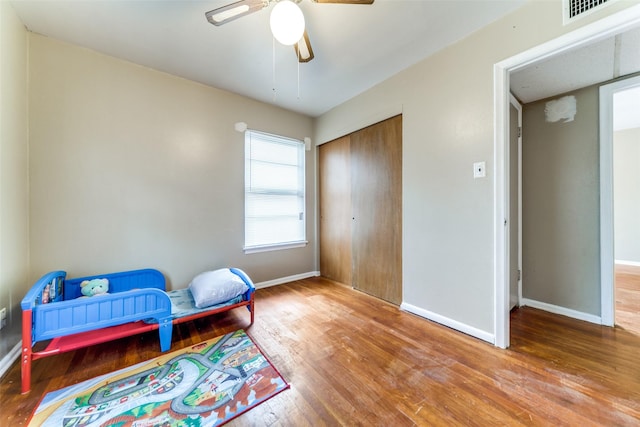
[86, 314]
[71, 323]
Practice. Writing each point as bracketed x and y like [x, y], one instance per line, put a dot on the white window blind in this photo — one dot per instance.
[274, 192]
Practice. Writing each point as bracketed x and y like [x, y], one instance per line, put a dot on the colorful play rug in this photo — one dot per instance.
[207, 384]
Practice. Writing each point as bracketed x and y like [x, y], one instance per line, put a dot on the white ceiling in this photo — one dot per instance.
[355, 46]
[582, 67]
[585, 66]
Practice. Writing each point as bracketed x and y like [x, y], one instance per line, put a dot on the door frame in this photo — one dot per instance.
[607, 241]
[616, 23]
[516, 104]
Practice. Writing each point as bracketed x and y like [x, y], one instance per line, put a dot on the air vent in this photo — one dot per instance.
[574, 9]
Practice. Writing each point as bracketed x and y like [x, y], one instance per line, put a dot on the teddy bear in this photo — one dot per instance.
[94, 287]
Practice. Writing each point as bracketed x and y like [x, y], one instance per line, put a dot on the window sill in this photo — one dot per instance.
[274, 247]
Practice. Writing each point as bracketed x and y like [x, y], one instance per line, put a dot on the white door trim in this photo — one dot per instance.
[607, 252]
[590, 33]
[516, 104]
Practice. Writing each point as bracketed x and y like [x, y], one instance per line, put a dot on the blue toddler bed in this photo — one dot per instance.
[137, 302]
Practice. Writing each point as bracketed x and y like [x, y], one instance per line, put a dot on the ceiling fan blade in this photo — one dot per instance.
[304, 52]
[345, 1]
[234, 10]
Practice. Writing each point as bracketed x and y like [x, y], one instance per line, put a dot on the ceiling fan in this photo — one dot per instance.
[287, 21]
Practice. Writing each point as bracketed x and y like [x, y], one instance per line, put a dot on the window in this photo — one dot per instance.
[273, 192]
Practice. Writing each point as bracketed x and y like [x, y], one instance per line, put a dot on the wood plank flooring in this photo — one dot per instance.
[354, 360]
[628, 297]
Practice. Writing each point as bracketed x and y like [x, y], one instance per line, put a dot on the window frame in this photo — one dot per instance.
[300, 145]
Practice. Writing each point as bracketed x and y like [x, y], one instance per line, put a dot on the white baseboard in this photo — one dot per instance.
[11, 357]
[287, 279]
[592, 318]
[623, 262]
[453, 324]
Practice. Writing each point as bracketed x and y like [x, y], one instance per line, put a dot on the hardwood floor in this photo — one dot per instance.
[354, 360]
[628, 297]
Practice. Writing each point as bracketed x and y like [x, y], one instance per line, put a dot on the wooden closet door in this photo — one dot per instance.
[376, 201]
[335, 210]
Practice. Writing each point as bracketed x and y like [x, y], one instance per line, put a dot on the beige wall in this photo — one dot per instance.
[133, 168]
[447, 106]
[14, 205]
[561, 206]
[626, 196]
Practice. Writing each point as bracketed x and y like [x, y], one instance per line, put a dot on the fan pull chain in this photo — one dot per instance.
[273, 59]
[298, 51]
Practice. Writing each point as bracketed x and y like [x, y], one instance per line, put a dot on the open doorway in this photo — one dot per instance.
[584, 36]
[626, 207]
[620, 203]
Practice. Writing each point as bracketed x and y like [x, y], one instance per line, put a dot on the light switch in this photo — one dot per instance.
[479, 170]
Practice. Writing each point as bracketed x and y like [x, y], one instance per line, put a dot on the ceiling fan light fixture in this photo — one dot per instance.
[287, 22]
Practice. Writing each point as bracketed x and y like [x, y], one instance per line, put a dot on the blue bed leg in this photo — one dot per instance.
[165, 329]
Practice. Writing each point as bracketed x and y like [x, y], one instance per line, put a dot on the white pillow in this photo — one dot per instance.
[213, 287]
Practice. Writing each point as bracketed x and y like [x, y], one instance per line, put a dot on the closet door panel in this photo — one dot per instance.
[335, 210]
[376, 201]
